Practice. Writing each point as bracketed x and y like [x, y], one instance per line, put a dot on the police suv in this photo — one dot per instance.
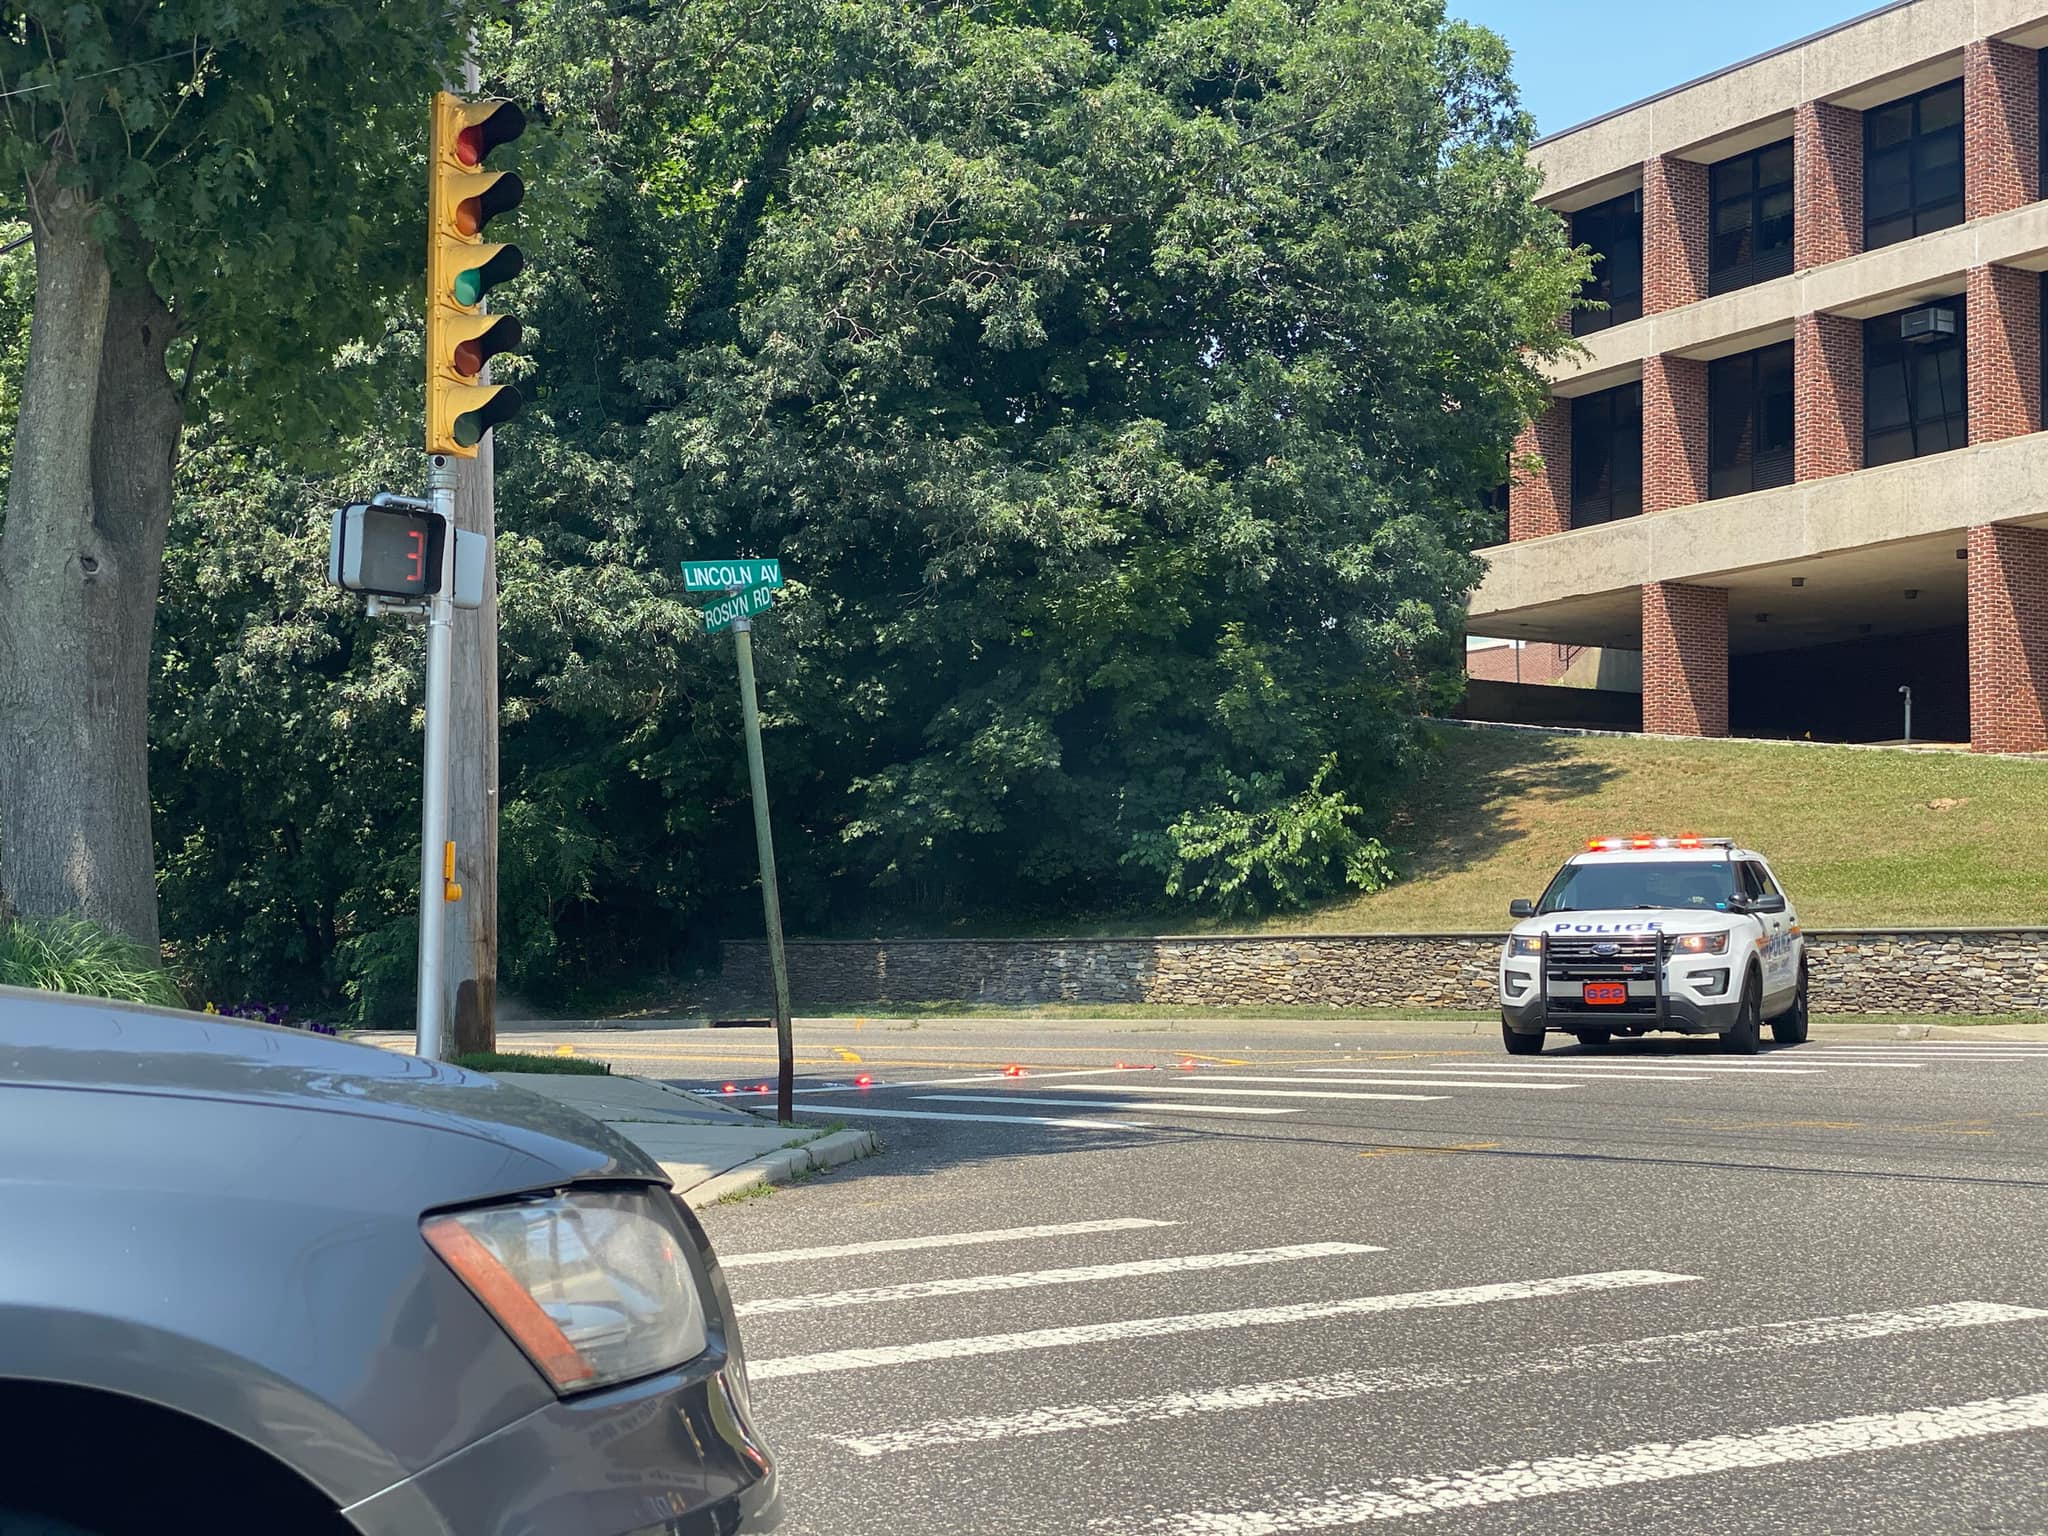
[1669, 933]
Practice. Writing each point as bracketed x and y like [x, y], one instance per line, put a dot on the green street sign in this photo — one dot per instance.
[730, 575]
[721, 615]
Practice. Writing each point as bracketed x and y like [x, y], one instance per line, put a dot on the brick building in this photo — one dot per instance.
[1800, 464]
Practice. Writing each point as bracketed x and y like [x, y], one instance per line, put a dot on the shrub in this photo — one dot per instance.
[1267, 851]
[68, 954]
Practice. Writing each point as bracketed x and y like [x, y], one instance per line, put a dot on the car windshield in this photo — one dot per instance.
[1631, 883]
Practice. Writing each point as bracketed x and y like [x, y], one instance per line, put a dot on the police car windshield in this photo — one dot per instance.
[1628, 883]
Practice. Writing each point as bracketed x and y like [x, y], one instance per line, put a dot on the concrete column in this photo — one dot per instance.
[1540, 495]
[2003, 328]
[2001, 127]
[1675, 233]
[1827, 389]
[2008, 639]
[1685, 659]
[1674, 432]
[1827, 184]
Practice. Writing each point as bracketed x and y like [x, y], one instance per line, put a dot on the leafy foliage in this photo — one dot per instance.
[66, 954]
[1277, 857]
[1120, 380]
[251, 160]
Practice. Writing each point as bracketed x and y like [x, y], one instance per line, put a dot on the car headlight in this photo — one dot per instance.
[595, 1288]
[1700, 944]
[1525, 944]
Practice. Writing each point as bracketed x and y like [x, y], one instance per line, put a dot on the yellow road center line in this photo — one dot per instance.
[1395, 1151]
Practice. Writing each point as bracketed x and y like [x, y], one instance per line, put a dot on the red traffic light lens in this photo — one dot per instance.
[477, 140]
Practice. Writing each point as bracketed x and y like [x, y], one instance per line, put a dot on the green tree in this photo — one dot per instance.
[1125, 386]
[221, 194]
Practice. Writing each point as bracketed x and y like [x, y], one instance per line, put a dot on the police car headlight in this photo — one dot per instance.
[1525, 944]
[1701, 944]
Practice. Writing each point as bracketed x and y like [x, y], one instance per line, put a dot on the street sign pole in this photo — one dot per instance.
[771, 903]
[435, 882]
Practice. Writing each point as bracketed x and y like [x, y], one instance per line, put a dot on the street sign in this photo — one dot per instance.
[730, 575]
[721, 615]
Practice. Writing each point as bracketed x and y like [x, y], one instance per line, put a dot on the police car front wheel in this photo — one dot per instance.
[1790, 1027]
[1747, 1034]
[1517, 1043]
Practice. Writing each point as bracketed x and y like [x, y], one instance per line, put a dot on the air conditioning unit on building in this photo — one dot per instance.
[1933, 323]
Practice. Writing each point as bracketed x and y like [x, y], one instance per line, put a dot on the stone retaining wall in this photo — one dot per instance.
[1966, 971]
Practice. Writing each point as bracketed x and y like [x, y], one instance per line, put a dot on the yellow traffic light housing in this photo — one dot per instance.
[462, 269]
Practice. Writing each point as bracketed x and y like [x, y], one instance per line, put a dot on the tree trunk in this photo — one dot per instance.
[136, 432]
[59, 850]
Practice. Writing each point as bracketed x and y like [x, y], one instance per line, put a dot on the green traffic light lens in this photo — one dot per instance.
[473, 283]
[471, 426]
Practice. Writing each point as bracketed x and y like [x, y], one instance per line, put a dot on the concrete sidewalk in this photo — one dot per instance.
[709, 1150]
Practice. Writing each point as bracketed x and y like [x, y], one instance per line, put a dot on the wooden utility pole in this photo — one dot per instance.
[469, 965]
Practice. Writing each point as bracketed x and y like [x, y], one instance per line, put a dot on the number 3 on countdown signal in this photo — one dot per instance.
[416, 556]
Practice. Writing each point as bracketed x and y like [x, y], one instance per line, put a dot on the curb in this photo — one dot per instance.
[780, 1167]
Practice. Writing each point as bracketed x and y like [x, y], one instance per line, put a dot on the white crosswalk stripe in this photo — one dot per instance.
[1562, 1068]
[1201, 1322]
[940, 1240]
[1461, 1077]
[968, 1285]
[1384, 1082]
[1267, 1093]
[1041, 1099]
[863, 1111]
[1650, 1462]
[1701, 1344]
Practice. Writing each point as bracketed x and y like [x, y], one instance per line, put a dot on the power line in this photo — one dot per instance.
[51, 85]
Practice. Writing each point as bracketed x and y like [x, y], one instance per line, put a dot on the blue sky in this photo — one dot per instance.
[1578, 58]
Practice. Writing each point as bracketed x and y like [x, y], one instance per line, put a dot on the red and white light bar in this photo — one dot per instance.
[1640, 844]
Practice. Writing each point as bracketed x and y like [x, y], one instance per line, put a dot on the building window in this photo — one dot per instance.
[1915, 398]
[1607, 455]
[1749, 421]
[1913, 166]
[1752, 214]
[1613, 230]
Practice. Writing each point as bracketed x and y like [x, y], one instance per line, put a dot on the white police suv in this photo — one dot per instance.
[1669, 933]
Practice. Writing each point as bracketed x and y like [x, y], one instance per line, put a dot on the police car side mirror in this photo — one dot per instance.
[1521, 906]
[1766, 904]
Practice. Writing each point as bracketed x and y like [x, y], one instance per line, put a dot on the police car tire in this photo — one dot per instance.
[1747, 1034]
[1517, 1043]
[1790, 1027]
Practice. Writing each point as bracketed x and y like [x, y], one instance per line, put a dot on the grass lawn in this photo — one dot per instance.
[1860, 838]
[526, 1061]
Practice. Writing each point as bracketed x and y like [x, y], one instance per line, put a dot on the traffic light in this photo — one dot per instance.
[462, 268]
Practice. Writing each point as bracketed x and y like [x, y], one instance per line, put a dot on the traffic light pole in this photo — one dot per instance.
[434, 877]
[771, 901]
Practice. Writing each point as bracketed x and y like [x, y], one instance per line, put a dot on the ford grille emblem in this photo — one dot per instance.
[1606, 949]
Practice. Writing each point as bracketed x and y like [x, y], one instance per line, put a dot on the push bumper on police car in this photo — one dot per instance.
[1623, 983]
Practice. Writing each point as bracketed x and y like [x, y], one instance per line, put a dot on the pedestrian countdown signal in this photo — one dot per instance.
[390, 551]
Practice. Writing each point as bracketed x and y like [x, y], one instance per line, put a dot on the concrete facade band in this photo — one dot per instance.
[1685, 627]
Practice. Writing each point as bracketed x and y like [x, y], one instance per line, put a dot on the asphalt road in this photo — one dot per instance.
[1198, 1279]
